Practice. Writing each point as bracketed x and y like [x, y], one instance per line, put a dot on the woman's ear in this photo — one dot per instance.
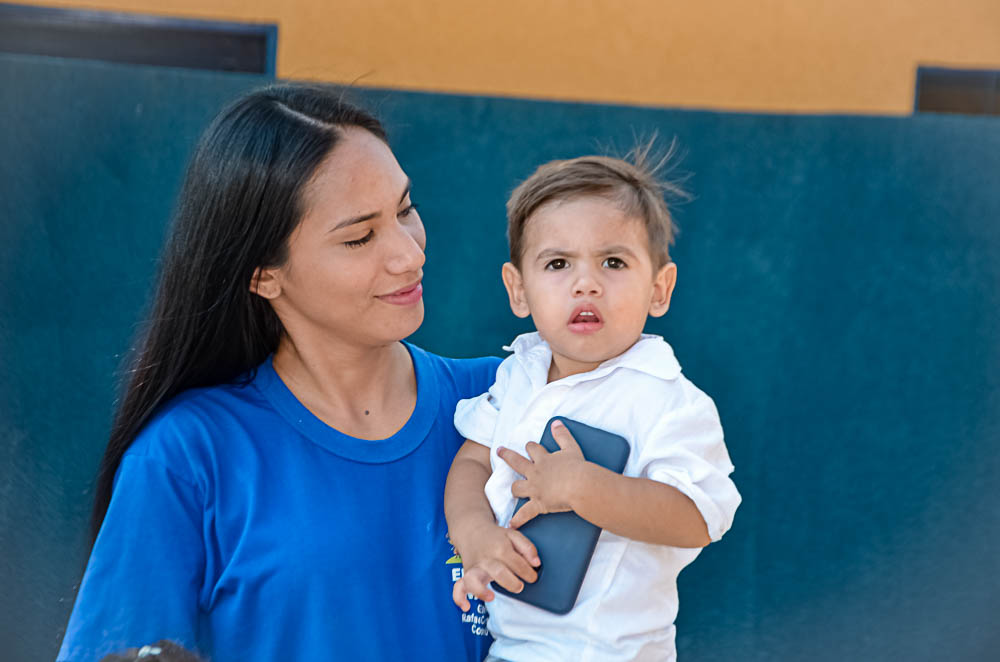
[515, 289]
[264, 282]
[663, 288]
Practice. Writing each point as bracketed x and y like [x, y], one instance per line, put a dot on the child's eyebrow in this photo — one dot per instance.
[617, 248]
[554, 252]
[550, 253]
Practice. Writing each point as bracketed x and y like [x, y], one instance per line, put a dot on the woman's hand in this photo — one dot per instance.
[551, 480]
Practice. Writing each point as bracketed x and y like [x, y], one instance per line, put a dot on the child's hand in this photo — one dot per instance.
[497, 554]
[506, 556]
[549, 478]
[475, 581]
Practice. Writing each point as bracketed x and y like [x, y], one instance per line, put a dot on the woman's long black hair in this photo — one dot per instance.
[241, 199]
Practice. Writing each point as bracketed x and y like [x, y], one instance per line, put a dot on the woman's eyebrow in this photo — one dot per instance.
[367, 217]
[354, 220]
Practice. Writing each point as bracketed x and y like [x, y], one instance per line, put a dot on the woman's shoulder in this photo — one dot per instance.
[193, 424]
[466, 377]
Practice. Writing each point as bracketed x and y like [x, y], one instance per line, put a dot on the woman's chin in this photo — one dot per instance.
[406, 323]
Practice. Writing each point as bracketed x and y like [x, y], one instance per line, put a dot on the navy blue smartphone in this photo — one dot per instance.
[566, 541]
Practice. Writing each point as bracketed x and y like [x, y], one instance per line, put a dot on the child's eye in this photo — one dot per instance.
[360, 242]
[408, 210]
[556, 264]
[614, 263]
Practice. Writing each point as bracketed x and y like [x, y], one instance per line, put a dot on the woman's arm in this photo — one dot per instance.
[146, 569]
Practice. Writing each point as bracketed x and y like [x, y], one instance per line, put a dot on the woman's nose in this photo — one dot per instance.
[407, 250]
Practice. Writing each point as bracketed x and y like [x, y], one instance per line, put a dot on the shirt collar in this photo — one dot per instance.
[651, 354]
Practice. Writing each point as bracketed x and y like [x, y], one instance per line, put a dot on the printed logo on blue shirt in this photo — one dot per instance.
[476, 617]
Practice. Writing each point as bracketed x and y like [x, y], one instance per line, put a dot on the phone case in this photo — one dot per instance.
[566, 541]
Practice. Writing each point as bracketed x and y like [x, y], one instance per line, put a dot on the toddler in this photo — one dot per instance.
[589, 241]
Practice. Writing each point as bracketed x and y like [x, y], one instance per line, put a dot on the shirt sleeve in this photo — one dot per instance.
[145, 572]
[686, 450]
[476, 418]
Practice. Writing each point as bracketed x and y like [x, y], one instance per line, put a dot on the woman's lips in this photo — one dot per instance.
[405, 297]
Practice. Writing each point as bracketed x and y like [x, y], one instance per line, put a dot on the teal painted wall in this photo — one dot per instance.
[838, 297]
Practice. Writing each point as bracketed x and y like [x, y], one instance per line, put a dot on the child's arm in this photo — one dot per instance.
[565, 481]
[488, 551]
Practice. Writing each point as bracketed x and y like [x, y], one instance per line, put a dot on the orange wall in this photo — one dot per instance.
[766, 55]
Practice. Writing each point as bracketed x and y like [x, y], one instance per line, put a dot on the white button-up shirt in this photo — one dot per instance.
[628, 601]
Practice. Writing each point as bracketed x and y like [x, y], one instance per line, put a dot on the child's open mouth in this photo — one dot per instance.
[585, 319]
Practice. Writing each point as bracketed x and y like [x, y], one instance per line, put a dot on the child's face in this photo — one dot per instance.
[588, 281]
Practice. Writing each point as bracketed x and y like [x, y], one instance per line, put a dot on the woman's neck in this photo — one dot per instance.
[365, 392]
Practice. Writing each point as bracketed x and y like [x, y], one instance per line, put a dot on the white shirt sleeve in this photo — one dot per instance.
[686, 451]
[476, 418]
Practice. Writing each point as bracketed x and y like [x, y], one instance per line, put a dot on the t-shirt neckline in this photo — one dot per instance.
[400, 444]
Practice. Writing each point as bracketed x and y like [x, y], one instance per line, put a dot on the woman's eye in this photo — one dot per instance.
[408, 210]
[360, 242]
[556, 265]
[614, 263]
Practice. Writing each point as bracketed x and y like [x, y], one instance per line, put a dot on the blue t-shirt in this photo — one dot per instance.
[244, 527]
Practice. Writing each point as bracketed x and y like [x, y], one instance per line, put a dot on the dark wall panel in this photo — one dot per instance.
[838, 297]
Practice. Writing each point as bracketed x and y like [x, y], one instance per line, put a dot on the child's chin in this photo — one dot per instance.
[588, 349]
[595, 356]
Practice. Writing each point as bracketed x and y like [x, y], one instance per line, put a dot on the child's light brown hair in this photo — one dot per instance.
[630, 183]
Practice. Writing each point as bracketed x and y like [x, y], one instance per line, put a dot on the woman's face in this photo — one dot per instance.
[355, 260]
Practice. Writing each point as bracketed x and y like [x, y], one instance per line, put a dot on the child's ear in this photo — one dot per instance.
[515, 289]
[264, 282]
[663, 288]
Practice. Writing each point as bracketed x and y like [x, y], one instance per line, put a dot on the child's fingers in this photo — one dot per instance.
[519, 566]
[527, 513]
[502, 575]
[519, 488]
[477, 583]
[517, 462]
[524, 547]
[459, 595]
[535, 450]
[563, 437]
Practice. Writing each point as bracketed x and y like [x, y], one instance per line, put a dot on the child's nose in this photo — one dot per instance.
[586, 285]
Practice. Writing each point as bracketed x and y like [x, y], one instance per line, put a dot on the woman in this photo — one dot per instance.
[279, 455]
